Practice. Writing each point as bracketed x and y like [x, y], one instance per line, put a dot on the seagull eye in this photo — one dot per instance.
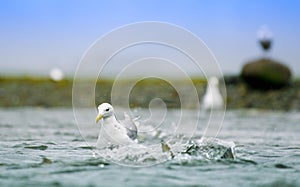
[107, 109]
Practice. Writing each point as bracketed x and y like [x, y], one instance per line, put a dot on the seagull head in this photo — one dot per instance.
[213, 81]
[105, 110]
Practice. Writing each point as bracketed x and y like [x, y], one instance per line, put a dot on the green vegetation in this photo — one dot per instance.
[43, 92]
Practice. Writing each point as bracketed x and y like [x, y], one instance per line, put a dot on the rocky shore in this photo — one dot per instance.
[42, 92]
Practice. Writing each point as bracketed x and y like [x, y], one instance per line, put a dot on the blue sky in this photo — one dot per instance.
[39, 35]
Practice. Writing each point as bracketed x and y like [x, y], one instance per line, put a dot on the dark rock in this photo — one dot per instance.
[266, 74]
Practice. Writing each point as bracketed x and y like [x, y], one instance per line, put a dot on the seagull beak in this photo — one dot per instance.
[100, 116]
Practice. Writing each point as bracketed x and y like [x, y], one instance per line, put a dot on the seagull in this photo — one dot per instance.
[114, 132]
[212, 98]
[265, 37]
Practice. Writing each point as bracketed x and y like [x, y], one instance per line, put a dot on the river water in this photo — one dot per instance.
[45, 147]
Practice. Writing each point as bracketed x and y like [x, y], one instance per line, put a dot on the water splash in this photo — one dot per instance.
[139, 155]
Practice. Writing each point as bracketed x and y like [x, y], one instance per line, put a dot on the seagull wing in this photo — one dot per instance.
[130, 126]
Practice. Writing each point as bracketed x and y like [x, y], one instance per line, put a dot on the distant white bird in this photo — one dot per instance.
[264, 33]
[114, 132]
[56, 74]
[265, 38]
[212, 98]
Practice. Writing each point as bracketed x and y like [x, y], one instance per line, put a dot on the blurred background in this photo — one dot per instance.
[39, 35]
[48, 38]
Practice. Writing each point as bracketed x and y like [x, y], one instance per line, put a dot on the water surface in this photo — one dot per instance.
[43, 147]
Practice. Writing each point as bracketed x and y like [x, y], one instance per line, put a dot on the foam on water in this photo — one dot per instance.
[138, 155]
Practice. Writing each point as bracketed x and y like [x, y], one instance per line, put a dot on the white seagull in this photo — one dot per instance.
[114, 132]
[212, 98]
